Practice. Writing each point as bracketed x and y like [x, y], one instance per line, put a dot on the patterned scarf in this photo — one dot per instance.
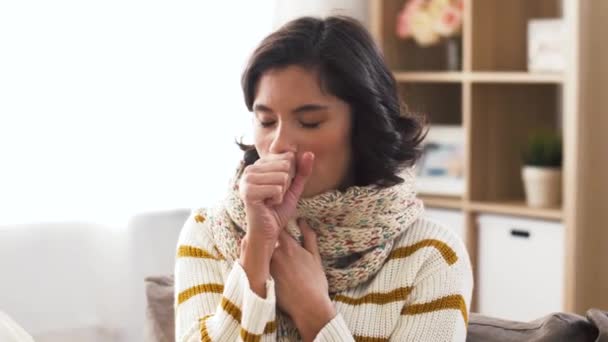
[356, 229]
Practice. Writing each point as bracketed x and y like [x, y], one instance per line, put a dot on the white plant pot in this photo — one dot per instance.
[543, 186]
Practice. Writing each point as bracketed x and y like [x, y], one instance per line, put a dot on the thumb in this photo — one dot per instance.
[310, 239]
[305, 164]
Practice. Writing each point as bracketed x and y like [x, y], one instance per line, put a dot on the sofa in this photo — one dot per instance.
[82, 281]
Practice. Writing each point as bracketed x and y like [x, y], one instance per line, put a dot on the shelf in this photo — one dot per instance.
[479, 77]
[515, 77]
[516, 208]
[429, 76]
[442, 202]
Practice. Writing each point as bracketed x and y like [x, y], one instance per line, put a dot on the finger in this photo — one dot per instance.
[278, 165]
[253, 193]
[281, 165]
[304, 170]
[285, 239]
[268, 178]
[290, 156]
[310, 239]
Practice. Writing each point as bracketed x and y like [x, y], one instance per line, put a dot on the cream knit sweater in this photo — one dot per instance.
[422, 293]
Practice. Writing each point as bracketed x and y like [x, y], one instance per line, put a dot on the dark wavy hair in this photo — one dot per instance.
[385, 136]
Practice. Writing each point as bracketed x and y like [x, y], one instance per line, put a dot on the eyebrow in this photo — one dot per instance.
[258, 107]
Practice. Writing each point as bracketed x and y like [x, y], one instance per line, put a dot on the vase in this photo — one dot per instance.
[543, 186]
[453, 54]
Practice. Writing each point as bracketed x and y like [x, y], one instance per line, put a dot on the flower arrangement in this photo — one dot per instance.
[427, 21]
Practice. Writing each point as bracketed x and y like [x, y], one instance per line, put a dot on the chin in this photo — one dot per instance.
[313, 191]
[310, 192]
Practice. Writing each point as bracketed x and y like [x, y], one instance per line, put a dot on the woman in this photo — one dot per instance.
[321, 236]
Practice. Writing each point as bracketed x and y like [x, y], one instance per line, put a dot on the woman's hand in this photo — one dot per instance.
[300, 283]
[270, 190]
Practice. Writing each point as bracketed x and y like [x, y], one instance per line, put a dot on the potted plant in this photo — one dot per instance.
[542, 170]
[429, 22]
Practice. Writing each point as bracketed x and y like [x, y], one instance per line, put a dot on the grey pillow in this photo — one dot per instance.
[554, 327]
[160, 316]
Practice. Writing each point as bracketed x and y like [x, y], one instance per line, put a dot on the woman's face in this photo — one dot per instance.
[293, 114]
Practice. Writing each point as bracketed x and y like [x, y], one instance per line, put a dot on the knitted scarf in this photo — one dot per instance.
[356, 228]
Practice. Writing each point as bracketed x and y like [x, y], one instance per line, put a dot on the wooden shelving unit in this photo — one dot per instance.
[443, 202]
[516, 208]
[499, 103]
[477, 77]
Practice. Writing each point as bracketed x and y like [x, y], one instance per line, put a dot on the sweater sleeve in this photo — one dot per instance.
[209, 307]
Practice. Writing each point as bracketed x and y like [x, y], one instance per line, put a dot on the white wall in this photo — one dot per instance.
[289, 9]
[122, 106]
[110, 108]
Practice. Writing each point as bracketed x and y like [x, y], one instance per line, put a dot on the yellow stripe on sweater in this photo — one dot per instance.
[446, 251]
[185, 251]
[443, 303]
[370, 339]
[198, 289]
[199, 218]
[395, 295]
[234, 311]
[270, 327]
[246, 336]
[204, 333]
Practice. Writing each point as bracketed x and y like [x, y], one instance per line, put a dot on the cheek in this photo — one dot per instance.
[332, 155]
[261, 141]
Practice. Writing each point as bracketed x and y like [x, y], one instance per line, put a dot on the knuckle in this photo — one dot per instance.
[246, 193]
[259, 161]
[247, 178]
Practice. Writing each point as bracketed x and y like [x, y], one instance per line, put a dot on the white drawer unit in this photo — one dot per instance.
[520, 267]
[453, 219]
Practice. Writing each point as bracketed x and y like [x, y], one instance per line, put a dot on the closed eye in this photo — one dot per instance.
[310, 125]
[267, 124]
[305, 125]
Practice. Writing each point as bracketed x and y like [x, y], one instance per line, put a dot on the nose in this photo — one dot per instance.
[282, 141]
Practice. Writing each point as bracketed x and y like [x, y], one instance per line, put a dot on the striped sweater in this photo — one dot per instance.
[422, 293]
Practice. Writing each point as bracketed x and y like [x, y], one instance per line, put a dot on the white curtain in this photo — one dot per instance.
[110, 108]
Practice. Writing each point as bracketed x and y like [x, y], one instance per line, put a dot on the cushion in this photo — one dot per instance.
[554, 327]
[159, 325]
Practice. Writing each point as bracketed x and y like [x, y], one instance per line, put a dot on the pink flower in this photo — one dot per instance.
[449, 21]
[404, 18]
[428, 20]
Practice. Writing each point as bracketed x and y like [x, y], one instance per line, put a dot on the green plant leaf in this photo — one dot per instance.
[544, 149]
